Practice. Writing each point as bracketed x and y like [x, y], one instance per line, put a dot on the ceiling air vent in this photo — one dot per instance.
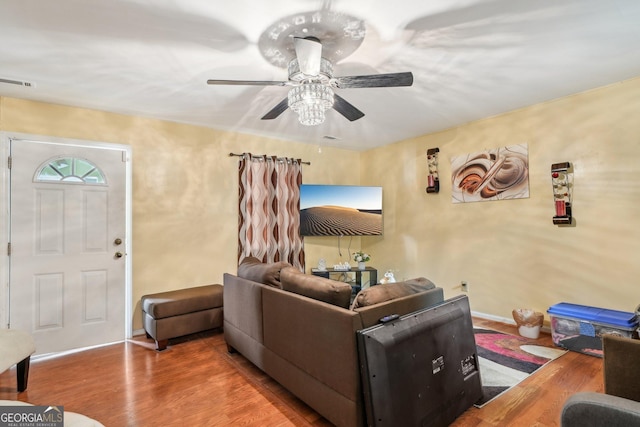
[16, 82]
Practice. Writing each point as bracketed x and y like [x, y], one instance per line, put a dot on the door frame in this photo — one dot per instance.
[5, 195]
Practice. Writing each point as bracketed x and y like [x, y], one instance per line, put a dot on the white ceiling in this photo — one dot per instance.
[470, 59]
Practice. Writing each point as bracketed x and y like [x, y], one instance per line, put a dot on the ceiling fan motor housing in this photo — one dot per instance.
[324, 76]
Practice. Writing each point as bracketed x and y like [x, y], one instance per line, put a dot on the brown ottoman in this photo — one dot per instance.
[173, 314]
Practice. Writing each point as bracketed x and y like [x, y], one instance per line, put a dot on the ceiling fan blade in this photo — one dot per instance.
[247, 82]
[374, 80]
[309, 54]
[345, 108]
[277, 110]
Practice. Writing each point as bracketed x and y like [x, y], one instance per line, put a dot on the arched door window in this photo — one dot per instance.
[70, 170]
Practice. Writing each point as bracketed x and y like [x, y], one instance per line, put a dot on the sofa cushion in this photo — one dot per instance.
[390, 291]
[252, 268]
[318, 288]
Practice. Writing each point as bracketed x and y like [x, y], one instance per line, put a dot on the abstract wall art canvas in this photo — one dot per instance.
[497, 174]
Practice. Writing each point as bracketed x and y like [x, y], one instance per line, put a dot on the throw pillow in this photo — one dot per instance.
[252, 268]
[390, 291]
[318, 288]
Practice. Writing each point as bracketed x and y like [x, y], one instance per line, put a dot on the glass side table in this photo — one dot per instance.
[358, 279]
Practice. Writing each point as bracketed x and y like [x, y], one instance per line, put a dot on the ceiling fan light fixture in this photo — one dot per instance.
[310, 101]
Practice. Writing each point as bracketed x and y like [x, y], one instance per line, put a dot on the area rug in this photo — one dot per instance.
[505, 360]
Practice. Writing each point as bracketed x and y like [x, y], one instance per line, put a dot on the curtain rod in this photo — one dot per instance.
[265, 156]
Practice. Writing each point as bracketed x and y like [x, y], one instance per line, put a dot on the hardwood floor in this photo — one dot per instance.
[537, 401]
[196, 382]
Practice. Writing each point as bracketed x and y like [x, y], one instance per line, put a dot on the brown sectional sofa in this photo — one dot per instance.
[298, 329]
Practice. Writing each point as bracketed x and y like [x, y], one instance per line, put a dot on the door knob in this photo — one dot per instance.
[119, 254]
[118, 241]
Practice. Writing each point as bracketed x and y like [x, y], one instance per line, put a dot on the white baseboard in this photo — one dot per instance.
[506, 320]
[493, 318]
[48, 356]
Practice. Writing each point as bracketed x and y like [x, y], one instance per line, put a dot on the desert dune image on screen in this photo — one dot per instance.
[340, 210]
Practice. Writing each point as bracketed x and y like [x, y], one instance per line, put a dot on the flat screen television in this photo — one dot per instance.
[422, 368]
[340, 210]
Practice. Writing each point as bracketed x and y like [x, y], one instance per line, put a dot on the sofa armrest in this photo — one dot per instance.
[621, 376]
[242, 301]
[590, 409]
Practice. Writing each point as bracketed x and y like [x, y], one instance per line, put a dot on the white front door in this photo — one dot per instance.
[67, 235]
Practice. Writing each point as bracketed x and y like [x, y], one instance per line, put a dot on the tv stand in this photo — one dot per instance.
[357, 281]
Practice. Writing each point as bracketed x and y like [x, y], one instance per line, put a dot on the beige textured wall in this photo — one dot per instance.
[184, 187]
[510, 252]
[185, 214]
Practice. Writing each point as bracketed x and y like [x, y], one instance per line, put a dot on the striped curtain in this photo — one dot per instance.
[269, 209]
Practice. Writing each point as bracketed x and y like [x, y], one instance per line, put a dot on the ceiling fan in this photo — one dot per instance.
[312, 81]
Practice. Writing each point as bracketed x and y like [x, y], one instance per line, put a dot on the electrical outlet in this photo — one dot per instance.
[464, 286]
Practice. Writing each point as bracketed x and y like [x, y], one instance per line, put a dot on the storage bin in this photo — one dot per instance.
[580, 327]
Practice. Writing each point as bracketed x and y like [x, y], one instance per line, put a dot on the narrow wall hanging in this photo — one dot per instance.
[498, 174]
[433, 181]
[562, 182]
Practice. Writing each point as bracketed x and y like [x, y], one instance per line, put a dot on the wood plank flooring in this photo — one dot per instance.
[195, 382]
